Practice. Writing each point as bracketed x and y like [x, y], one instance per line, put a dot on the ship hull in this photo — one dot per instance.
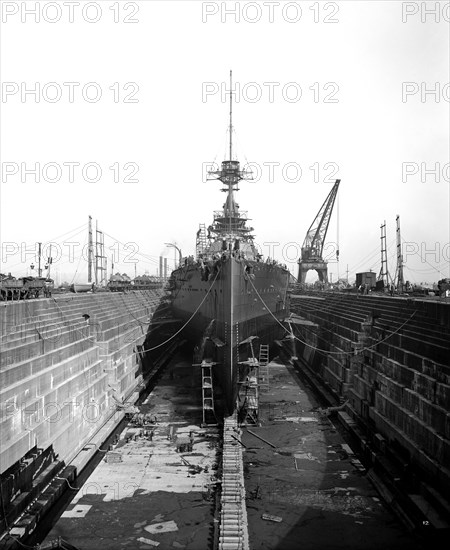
[232, 300]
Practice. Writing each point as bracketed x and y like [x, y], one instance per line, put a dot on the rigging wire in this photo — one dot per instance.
[153, 259]
[240, 148]
[327, 352]
[78, 266]
[12, 266]
[161, 344]
[141, 323]
[423, 259]
[78, 229]
[188, 321]
[219, 148]
[370, 256]
[425, 271]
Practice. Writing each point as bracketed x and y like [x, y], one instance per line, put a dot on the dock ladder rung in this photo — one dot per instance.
[263, 367]
[207, 390]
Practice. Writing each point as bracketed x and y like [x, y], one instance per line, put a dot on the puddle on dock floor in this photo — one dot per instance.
[311, 480]
[145, 493]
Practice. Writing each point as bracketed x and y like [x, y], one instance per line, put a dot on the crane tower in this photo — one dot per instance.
[311, 257]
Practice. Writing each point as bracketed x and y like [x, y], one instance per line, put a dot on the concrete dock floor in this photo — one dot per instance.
[143, 494]
[311, 479]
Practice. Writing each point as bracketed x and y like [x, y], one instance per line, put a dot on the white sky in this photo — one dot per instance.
[170, 53]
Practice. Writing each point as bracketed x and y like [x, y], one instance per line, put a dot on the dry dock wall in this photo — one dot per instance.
[65, 364]
[390, 358]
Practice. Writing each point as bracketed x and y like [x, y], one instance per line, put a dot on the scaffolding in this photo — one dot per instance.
[90, 251]
[100, 258]
[398, 278]
[201, 242]
[257, 378]
[250, 406]
[384, 272]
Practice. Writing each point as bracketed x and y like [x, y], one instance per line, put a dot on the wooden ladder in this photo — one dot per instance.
[263, 367]
[251, 399]
[202, 240]
[207, 393]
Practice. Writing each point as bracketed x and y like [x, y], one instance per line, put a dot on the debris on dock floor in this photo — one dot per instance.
[154, 495]
[310, 479]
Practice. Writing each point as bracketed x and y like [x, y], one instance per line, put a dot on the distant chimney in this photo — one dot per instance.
[161, 272]
[165, 268]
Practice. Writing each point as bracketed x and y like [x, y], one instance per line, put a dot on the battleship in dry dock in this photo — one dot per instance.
[228, 295]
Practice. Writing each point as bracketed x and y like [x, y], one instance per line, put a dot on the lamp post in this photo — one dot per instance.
[175, 246]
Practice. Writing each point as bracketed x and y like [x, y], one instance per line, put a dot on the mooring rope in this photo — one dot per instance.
[291, 334]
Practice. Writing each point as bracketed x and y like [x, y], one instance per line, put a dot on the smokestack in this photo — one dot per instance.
[165, 268]
[161, 273]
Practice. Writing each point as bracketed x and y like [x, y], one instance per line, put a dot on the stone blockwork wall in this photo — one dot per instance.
[390, 357]
[65, 363]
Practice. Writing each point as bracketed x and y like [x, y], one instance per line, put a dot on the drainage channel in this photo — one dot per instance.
[233, 530]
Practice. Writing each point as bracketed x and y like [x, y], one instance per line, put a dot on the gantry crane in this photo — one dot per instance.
[312, 248]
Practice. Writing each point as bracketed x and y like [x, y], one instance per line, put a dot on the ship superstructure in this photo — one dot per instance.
[228, 295]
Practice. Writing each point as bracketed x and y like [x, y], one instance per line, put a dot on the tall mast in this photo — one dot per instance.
[96, 253]
[39, 259]
[49, 263]
[231, 114]
[230, 223]
[399, 272]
